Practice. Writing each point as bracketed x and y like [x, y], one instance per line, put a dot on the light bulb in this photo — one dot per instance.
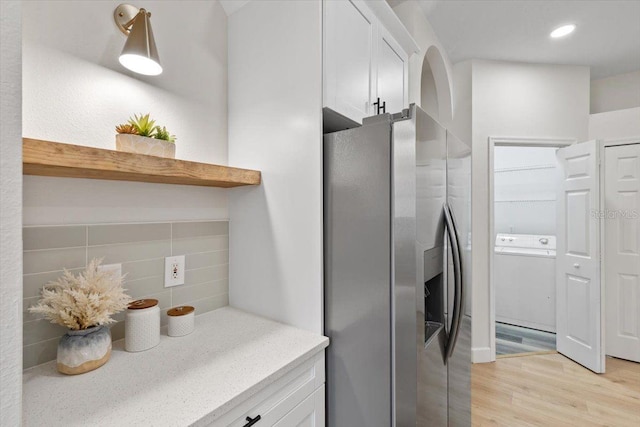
[565, 30]
[140, 64]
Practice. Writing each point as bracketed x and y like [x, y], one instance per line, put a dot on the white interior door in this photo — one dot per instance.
[578, 291]
[622, 251]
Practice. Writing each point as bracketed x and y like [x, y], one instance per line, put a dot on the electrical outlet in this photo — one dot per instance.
[116, 269]
[173, 271]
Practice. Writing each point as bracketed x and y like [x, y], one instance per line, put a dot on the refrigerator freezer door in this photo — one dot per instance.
[405, 277]
[431, 290]
[459, 199]
[431, 180]
[432, 386]
[459, 375]
[357, 215]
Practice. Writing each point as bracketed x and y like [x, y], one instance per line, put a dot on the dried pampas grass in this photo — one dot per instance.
[82, 301]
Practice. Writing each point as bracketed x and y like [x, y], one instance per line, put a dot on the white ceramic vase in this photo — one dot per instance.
[84, 350]
[145, 145]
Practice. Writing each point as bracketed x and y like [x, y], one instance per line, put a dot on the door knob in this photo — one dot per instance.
[576, 265]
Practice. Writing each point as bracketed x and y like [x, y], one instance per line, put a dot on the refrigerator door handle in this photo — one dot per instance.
[457, 276]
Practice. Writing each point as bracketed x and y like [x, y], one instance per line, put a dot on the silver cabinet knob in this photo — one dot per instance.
[576, 265]
[544, 240]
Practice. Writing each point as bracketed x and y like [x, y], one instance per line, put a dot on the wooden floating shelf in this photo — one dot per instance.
[48, 158]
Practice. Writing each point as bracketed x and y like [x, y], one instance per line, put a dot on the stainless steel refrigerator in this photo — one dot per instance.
[397, 253]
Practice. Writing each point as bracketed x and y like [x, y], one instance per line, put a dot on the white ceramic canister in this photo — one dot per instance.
[181, 320]
[142, 325]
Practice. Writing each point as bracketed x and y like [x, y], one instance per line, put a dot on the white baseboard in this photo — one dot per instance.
[481, 355]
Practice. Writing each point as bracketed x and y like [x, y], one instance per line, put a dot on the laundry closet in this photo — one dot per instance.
[566, 221]
[525, 247]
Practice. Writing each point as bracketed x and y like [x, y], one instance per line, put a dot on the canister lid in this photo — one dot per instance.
[181, 310]
[142, 303]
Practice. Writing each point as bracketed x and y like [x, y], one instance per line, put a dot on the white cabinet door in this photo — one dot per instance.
[578, 291]
[309, 413]
[392, 67]
[622, 251]
[349, 33]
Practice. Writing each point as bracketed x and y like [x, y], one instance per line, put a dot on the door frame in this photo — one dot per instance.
[507, 142]
[602, 146]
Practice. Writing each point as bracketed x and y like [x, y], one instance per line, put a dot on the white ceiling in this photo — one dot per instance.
[607, 36]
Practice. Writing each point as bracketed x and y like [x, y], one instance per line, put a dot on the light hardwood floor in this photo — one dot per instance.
[511, 339]
[551, 390]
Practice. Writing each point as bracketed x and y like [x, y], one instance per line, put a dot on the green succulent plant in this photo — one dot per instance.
[163, 133]
[143, 125]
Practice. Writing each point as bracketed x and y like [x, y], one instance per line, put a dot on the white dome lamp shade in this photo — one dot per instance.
[139, 54]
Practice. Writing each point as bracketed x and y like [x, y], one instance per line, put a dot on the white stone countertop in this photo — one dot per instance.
[229, 357]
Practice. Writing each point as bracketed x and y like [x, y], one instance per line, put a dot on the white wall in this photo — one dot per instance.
[525, 190]
[615, 107]
[429, 93]
[10, 215]
[75, 91]
[617, 124]
[275, 125]
[615, 93]
[456, 99]
[515, 100]
[420, 29]
[462, 101]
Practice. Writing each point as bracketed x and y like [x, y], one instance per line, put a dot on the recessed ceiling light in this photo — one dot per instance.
[563, 31]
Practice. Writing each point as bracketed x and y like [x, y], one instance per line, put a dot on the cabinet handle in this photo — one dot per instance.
[379, 106]
[251, 421]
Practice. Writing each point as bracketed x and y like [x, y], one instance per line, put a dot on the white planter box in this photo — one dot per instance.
[145, 145]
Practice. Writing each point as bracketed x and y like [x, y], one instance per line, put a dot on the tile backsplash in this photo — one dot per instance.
[141, 249]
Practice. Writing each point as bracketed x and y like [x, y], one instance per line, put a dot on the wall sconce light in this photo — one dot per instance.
[139, 53]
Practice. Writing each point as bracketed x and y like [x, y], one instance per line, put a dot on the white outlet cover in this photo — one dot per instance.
[172, 278]
[116, 269]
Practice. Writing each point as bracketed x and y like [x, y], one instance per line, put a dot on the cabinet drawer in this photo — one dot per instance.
[275, 401]
[309, 413]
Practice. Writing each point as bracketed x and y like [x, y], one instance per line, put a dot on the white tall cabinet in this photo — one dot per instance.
[276, 87]
[365, 68]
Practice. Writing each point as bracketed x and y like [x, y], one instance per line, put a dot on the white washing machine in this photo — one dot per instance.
[524, 277]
